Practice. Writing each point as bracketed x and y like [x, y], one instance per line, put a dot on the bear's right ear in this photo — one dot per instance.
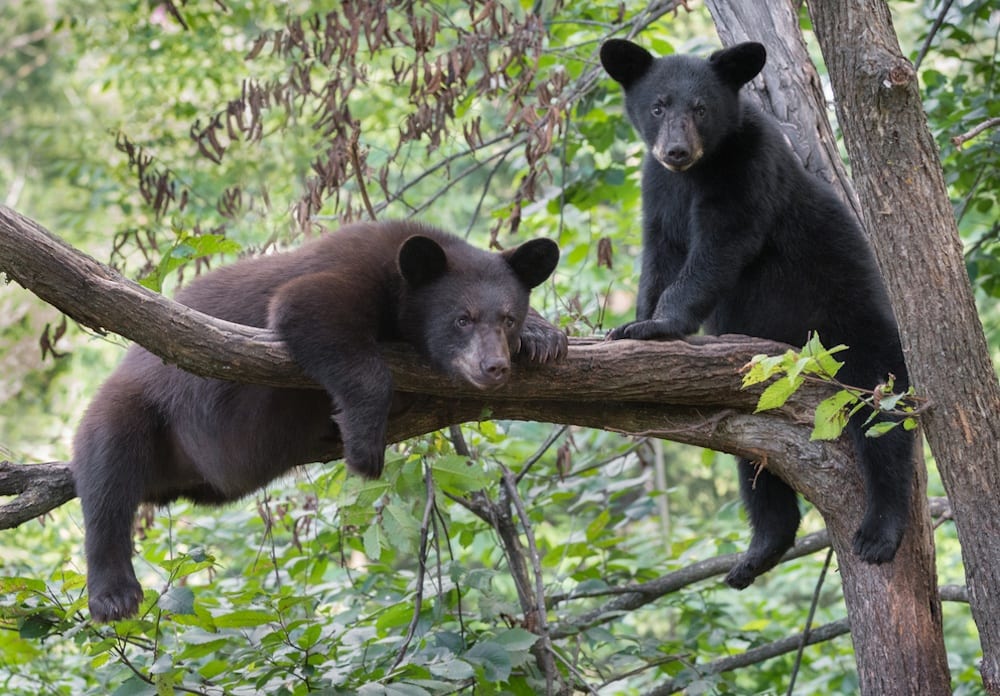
[738, 64]
[625, 61]
[421, 260]
[533, 261]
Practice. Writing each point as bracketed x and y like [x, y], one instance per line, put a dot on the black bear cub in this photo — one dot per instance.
[739, 238]
[155, 433]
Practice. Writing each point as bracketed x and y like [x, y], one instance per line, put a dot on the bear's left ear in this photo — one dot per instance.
[533, 261]
[738, 64]
[421, 260]
[625, 61]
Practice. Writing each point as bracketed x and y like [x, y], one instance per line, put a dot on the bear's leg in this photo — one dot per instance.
[114, 454]
[331, 322]
[887, 466]
[361, 387]
[773, 509]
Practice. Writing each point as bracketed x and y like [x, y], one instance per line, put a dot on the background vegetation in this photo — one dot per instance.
[168, 138]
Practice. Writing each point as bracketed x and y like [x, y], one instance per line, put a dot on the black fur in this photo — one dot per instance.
[155, 433]
[739, 238]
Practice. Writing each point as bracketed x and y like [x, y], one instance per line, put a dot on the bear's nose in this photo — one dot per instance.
[497, 369]
[678, 154]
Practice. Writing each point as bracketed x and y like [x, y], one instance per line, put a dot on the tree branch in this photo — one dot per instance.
[686, 390]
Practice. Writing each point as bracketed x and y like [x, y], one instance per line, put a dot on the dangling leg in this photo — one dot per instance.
[773, 509]
[887, 466]
[886, 462]
[113, 458]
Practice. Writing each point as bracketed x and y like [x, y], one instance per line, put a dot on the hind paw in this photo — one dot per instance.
[120, 601]
[877, 543]
[741, 576]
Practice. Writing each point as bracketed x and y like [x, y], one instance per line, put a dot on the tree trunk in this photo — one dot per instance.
[899, 179]
[895, 610]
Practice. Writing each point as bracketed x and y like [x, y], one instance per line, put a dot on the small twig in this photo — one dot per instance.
[356, 163]
[754, 655]
[418, 599]
[533, 459]
[458, 440]
[960, 140]
[636, 444]
[580, 677]
[938, 21]
[809, 620]
[541, 622]
[666, 659]
[634, 596]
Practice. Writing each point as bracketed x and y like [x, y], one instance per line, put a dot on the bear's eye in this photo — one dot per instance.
[463, 321]
[699, 110]
[509, 322]
[657, 110]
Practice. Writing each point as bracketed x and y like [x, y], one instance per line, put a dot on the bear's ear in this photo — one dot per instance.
[625, 61]
[421, 260]
[738, 64]
[533, 261]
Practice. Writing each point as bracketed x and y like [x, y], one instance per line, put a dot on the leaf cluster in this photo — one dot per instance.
[814, 362]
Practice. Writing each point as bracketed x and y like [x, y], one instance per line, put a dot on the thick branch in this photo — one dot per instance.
[690, 373]
[685, 391]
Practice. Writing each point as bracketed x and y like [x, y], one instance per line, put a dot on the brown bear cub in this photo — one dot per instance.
[155, 433]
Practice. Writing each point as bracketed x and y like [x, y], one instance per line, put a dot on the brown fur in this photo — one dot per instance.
[155, 433]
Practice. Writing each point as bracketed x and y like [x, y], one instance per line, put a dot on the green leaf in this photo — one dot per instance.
[777, 393]
[374, 540]
[134, 686]
[11, 585]
[516, 639]
[595, 528]
[310, 636]
[493, 658]
[177, 600]
[831, 416]
[455, 669]
[194, 651]
[36, 626]
[821, 361]
[881, 428]
[458, 475]
[395, 617]
[763, 367]
[401, 528]
[395, 689]
[246, 618]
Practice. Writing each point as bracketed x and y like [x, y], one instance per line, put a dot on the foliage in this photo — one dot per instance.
[815, 363]
[170, 137]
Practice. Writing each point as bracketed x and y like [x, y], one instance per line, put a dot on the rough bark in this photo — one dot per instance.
[899, 180]
[895, 610]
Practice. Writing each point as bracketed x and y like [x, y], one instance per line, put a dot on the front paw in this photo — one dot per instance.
[367, 459]
[543, 343]
[649, 330]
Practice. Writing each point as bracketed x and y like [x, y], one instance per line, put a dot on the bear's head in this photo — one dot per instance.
[463, 308]
[682, 106]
